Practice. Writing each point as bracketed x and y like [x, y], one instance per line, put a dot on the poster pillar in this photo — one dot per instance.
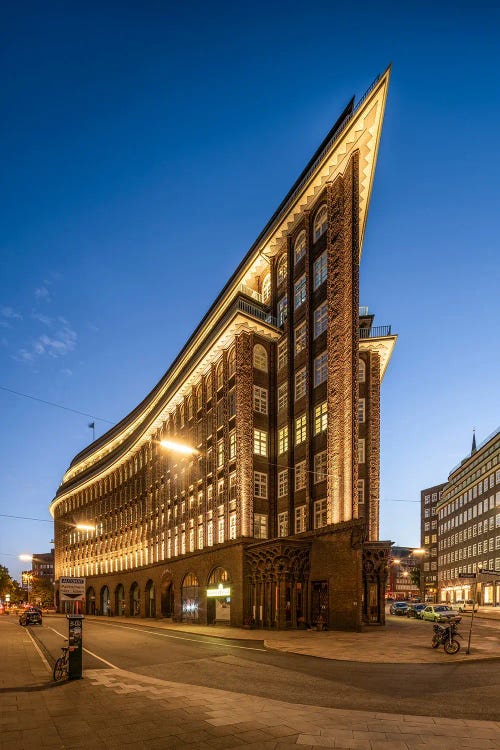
[75, 628]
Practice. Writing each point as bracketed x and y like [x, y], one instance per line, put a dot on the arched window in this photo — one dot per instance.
[190, 407]
[181, 415]
[260, 357]
[231, 362]
[361, 371]
[299, 248]
[208, 386]
[266, 288]
[282, 270]
[218, 575]
[199, 398]
[220, 375]
[320, 221]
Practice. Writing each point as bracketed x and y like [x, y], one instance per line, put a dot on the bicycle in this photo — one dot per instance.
[61, 667]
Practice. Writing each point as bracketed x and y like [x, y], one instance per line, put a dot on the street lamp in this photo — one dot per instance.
[187, 450]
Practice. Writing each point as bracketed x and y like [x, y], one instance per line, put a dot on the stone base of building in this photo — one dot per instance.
[331, 580]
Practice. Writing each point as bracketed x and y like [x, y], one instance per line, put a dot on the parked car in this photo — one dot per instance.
[438, 613]
[465, 606]
[398, 608]
[31, 616]
[415, 610]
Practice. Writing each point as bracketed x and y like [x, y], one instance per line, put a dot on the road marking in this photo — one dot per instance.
[113, 666]
[147, 629]
[42, 657]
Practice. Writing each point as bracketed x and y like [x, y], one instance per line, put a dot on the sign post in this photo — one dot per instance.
[73, 590]
[473, 577]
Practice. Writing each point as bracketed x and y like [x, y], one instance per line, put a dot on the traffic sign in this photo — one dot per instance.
[72, 589]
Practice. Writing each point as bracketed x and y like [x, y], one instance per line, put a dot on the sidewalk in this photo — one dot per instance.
[113, 708]
[400, 641]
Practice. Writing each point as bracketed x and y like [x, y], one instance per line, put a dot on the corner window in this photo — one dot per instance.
[282, 310]
[320, 319]
[231, 362]
[266, 289]
[299, 248]
[300, 292]
[282, 270]
[319, 270]
[320, 222]
[300, 383]
[320, 368]
[320, 418]
[361, 371]
[260, 357]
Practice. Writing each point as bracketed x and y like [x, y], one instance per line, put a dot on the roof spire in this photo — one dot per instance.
[474, 447]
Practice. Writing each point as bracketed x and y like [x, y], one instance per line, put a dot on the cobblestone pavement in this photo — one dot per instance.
[113, 708]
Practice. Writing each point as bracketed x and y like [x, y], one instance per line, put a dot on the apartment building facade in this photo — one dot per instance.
[469, 527]
[245, 487]
[429, 499]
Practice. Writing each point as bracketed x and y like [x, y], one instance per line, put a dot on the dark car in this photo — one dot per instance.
[31, 616]
[415, 610]
[398, 608]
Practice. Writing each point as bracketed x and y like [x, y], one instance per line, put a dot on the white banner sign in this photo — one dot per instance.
[72, 589]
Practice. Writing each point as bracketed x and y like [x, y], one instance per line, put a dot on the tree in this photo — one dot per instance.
[415, 577]
[5, 581]
[42, 591]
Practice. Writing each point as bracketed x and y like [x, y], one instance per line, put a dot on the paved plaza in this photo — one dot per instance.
[114, 708]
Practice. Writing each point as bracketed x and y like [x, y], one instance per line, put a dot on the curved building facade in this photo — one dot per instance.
[245, 487]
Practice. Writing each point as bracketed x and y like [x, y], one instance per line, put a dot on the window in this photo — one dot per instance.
[220, 413]
[282, 439]
[320, 222]
[300, 519]
[362, 373]
[220, 492]
[260, 484]
[299, 248]
[300, 383]
[361, 451]
[282, 310]
[300, 292]
[300, 338]
[361, 410]
[232, 403]
[319, 270]
[190, 407]
[266, 289]
[300, 476]
[260, 399]
[320, 319]
[283, 396]
[208, 387]
[220, 375]
[210, 533]
[320, 418]
[320, 368]
[220, 530]
[200, 536]
[220, 454]
[283, 524]
[260, 357]
[260, 442]
[232, 525]
[320, 467]
[282, 354]
[282, 271]
[361, 491]
[231, 362]
[320, 514]
[283, 483]
[260, 526]
[300, 429]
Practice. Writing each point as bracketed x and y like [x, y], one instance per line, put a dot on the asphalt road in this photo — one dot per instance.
[459, 690]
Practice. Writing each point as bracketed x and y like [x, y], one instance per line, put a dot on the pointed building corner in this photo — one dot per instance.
[474, 446]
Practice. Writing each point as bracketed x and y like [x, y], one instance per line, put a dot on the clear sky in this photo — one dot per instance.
[143, 148]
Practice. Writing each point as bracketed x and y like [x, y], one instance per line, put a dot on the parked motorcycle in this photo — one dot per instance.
[445, 634]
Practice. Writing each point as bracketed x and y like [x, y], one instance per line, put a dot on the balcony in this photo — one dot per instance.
[375, 332]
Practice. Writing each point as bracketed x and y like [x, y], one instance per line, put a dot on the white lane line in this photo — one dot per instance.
[113, 666]
[146, 629]
[42, 657]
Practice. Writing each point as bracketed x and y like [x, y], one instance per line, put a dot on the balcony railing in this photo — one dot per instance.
[255, 311]
[375, 332]
[244, 289]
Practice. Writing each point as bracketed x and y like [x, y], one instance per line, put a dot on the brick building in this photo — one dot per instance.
[469, 527]
[429, 499]
[43, 565]
[270, 515]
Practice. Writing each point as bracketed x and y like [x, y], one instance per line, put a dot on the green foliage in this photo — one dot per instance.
[42, 592]
[5, 581]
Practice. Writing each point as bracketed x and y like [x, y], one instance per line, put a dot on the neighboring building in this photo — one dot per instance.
[429, 499]
[402, 563]
[43, 565]
[271, 517]
[469, 527]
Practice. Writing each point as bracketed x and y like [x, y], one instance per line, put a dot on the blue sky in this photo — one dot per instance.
[145, 145]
